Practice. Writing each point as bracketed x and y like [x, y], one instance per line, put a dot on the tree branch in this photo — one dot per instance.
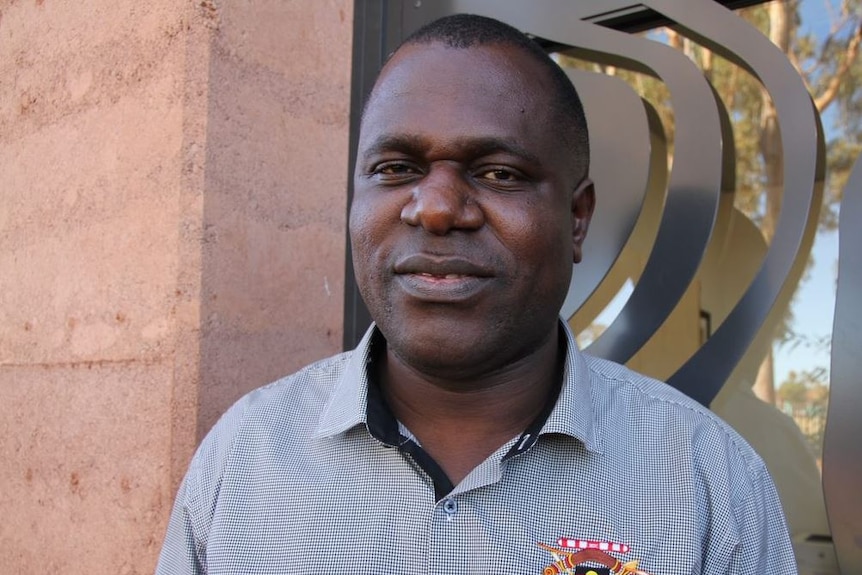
[831, 91]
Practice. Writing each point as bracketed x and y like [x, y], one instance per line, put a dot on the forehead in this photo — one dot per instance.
[490, 90]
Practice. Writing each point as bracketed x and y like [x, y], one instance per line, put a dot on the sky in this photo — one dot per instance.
[813, 311]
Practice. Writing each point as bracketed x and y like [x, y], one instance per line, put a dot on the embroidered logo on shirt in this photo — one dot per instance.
[572, 554]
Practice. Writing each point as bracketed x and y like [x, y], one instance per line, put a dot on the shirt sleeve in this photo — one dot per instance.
[764, 542]
[182, 551]
[745, 529]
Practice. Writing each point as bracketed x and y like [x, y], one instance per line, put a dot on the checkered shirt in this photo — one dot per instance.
[295, 478]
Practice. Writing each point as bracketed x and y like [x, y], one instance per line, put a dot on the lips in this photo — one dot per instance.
[441, 266]
[441, 279]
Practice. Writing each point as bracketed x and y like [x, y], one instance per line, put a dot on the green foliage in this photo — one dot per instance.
[804, 397]
[793, 391]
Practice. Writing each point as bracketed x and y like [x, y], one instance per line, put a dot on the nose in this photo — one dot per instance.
[441, 202]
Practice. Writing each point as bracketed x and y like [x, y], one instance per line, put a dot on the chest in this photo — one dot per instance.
[374, 511]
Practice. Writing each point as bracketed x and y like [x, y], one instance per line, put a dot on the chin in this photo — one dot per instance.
[432, 350]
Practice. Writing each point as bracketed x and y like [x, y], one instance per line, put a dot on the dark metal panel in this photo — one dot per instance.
[376, 24]
[686, 226]
[641, 18]
[842, 448]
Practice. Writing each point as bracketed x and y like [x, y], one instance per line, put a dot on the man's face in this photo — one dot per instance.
[467, 214]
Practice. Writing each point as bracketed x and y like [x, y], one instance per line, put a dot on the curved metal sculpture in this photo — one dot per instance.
[804, 150]
[842, 450]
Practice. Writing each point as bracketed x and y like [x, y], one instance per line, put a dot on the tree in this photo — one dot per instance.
[804, 396]
[794, 391]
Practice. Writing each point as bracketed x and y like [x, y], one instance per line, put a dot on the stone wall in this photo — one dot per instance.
[172, 213]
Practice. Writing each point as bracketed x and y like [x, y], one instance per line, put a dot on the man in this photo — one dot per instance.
[466, 433]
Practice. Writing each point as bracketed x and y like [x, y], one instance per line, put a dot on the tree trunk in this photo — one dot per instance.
[764, 385]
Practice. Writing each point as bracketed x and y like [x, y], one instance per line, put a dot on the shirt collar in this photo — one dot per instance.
[572, 415]
[346, 407]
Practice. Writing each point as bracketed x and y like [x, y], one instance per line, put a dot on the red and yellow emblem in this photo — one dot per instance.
[572, 554]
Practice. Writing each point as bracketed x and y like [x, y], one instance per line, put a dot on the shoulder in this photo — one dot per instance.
[654, 411]
[285, 410]
[682, 444]
[251, 433]
[294, 400]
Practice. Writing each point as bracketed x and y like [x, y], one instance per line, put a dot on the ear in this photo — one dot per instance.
[583, 204]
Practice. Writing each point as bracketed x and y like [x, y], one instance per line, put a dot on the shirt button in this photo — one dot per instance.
[450, 508]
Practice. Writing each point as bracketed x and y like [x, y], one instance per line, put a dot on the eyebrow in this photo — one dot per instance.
[471, 146]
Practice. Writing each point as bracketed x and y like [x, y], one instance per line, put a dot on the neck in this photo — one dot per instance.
[460, 422]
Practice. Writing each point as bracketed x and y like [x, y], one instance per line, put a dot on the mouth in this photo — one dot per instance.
[446, 267]
[441, 279]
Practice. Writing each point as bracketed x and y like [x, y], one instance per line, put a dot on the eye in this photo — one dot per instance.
[499, 175]
[394, 169]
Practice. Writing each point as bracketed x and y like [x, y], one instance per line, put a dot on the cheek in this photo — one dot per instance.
[362, 227]
[374, 219]
[537, 240]
[361, 244]
[368, 233]
[543, 254]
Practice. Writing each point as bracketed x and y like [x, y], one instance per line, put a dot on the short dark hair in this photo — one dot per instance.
[469, 30]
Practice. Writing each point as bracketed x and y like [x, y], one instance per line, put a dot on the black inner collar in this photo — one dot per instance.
[383, 425]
